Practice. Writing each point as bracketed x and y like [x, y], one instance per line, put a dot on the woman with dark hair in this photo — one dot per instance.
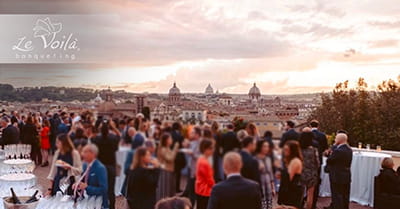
[66, 165]
[45, 142]
[180, 160]
[142, 180]
[30, 135]
[166, 156]
[309, 176]
[266, 172]
[217, 156]
[107, 143]
[204, 174]
[252, 130]
[80, 140]
[291, 189]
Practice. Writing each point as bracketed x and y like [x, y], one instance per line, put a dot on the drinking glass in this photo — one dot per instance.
[378, 148]
[368, 146]
[359, 145]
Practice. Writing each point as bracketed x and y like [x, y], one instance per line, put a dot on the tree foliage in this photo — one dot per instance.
[370, 117]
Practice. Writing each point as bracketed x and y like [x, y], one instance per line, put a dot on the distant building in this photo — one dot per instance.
[111, 109]
[254, 92]
[209, 90]
[194, 115]
[139, 103]
[174, 95]
[225, 100]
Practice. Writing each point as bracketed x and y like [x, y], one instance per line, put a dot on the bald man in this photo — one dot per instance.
[339, 163]
[235, 192]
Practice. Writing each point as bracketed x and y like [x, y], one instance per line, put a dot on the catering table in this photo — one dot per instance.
[364, 167]
[121, 157]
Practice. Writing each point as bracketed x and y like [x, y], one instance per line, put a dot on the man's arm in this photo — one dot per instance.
[335, 156]
[324, 143]
[258, 198]
[102, 188]
[213, 201]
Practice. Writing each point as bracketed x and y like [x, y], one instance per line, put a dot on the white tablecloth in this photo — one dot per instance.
[120, 157]
[364, 167]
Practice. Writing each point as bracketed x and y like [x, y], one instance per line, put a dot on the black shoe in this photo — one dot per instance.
[45, 164]
[327, 207]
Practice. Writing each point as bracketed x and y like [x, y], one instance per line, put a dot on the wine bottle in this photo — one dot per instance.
[33, 197]
[14, 197]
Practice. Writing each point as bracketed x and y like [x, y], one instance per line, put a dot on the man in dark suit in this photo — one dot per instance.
[250, 165]
[290, 134]
[94, 177]
[321, 143]
[10, 133]
[235, 192]
[229, 141]
[320, 138]
[180, 160]
[339, 164]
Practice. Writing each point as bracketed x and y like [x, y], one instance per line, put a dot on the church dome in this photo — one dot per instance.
[209, 89]
[174, 90]
[254, 91]
[98, 98]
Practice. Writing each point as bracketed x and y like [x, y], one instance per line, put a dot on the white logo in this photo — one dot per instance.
[48, 42]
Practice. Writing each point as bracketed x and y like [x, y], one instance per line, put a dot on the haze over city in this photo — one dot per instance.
[284, 46]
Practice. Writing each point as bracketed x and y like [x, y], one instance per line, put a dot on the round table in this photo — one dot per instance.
[121, 157]
[364, 167]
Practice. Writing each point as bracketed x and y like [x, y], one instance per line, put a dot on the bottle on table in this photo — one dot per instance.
[33, 197]
[14, 198]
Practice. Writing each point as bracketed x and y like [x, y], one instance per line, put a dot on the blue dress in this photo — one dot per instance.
[62, 173]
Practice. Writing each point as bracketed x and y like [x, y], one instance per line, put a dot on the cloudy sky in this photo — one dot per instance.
[285, 46]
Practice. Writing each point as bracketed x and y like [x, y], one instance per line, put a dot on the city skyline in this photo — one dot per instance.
[286, 47]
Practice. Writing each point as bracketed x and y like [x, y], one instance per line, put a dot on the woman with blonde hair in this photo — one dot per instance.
[166, 156]
[142, 180]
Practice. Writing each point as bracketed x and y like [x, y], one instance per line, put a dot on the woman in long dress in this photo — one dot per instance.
[166, 156]
[266, 172]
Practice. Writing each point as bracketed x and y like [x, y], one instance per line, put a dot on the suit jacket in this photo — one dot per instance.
[29, 134]
[289, 135]
[390, 182]
[229, 142]
[250, 167]
[10, 135]
[235, 193]
[339, 164]
[97, 181]
[322, 142]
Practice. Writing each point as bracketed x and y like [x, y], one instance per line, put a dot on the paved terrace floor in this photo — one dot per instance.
[42, 173]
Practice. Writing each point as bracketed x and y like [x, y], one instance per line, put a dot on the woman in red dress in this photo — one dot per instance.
[45, 142]
[204, 174]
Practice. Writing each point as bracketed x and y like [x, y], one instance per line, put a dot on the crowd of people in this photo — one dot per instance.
[223, 169]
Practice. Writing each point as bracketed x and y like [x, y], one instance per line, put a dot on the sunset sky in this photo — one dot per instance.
[285, 46]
